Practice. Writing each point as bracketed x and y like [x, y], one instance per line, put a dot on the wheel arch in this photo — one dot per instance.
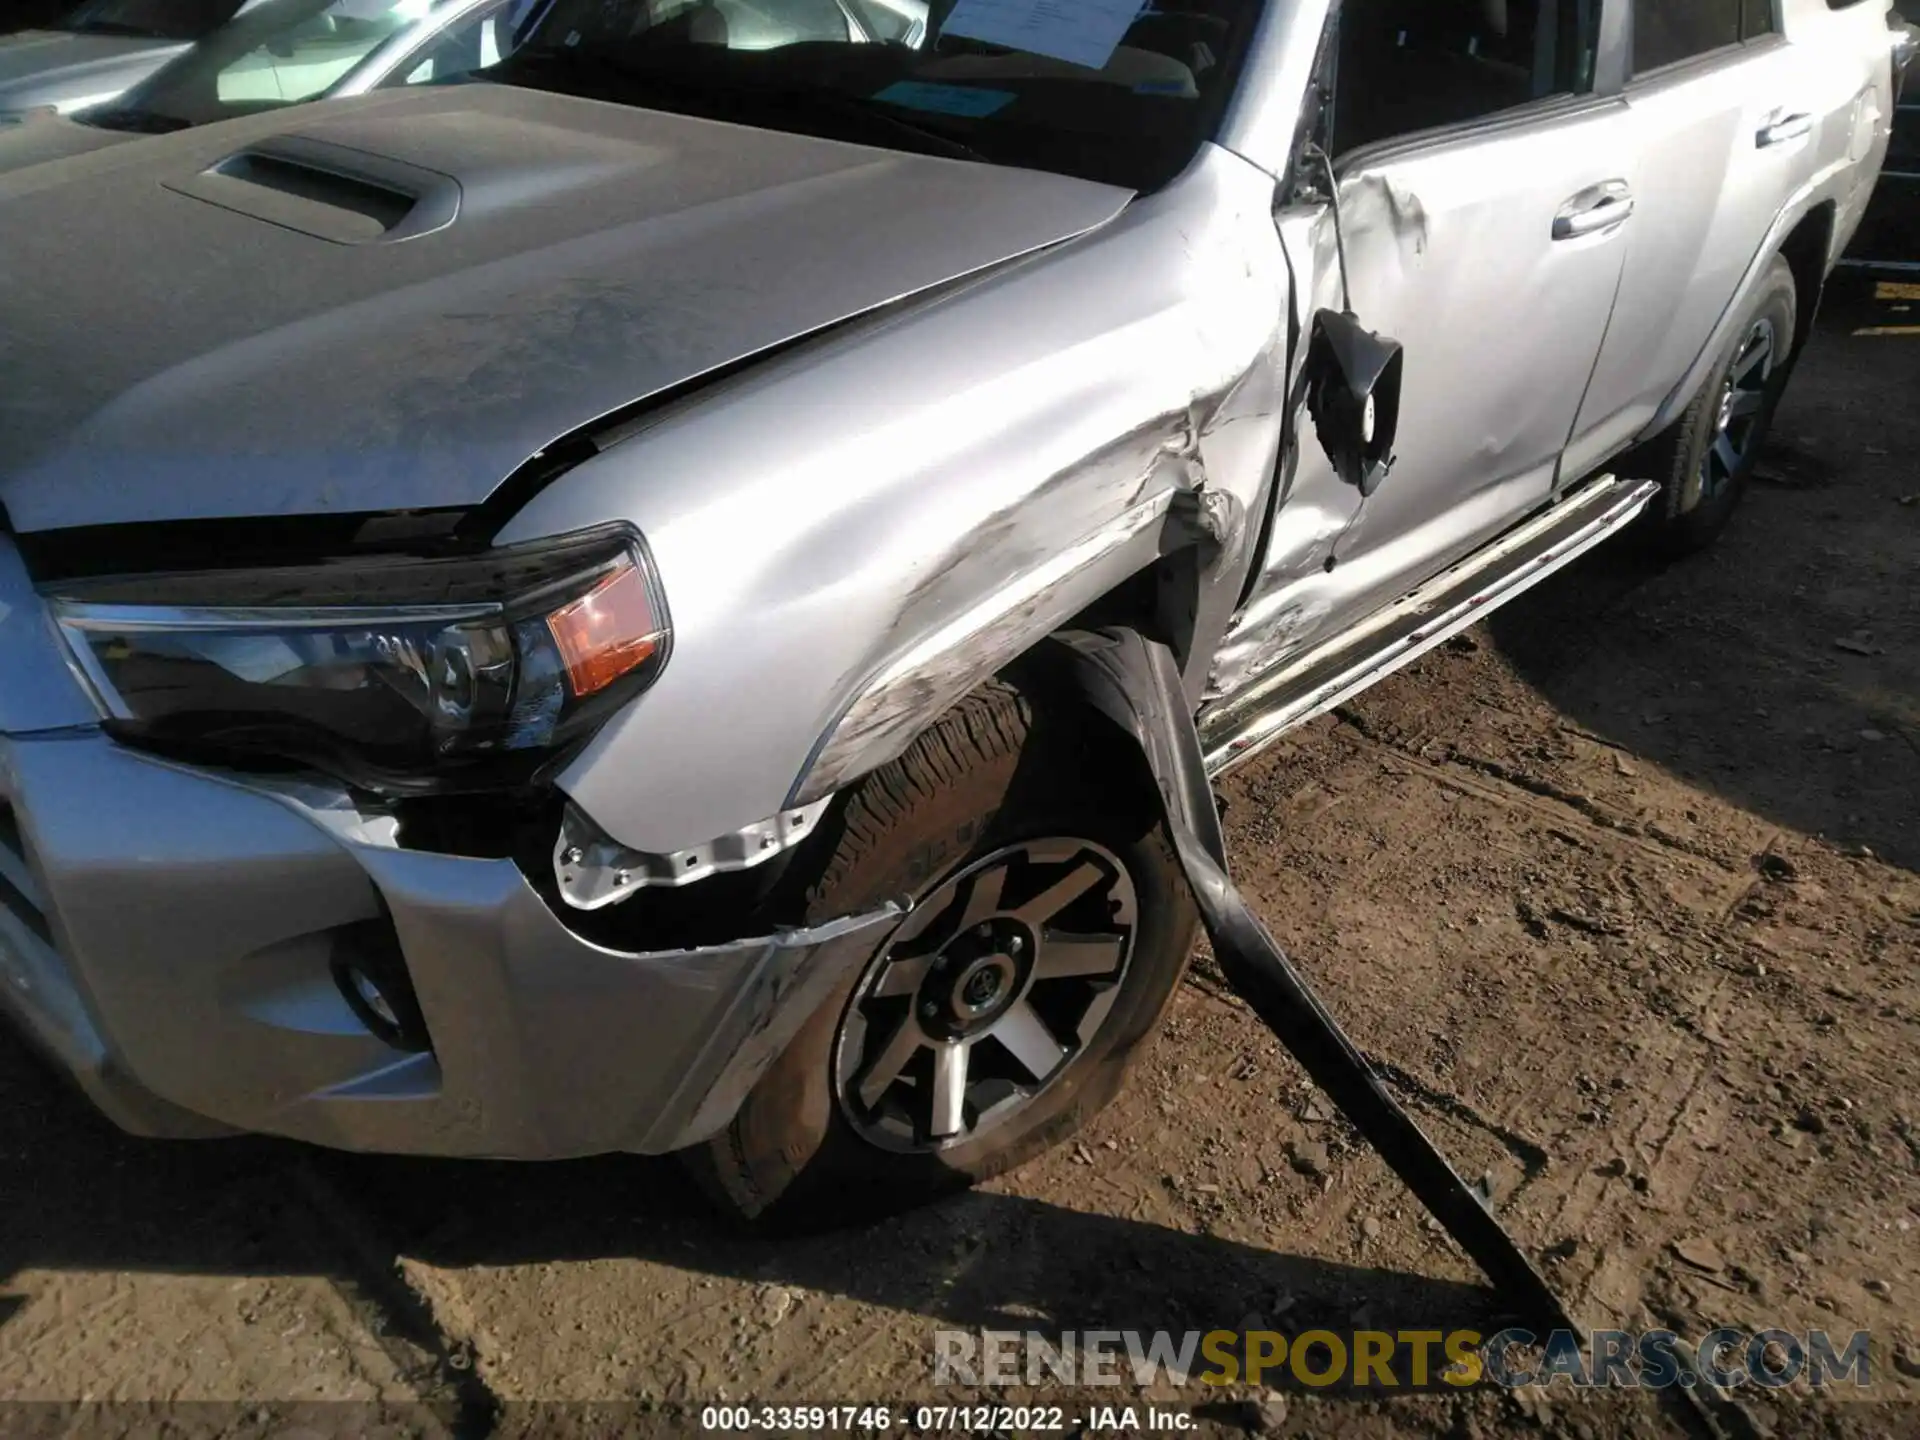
[1162, 589]
[1807, 250]
[1805, 241]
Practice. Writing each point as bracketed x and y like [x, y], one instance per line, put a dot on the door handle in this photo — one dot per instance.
[1594, 211]
[1787, 127]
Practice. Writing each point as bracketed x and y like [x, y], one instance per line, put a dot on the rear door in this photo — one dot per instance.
[1723, 116]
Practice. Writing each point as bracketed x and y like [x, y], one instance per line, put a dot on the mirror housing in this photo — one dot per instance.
[1353, 394]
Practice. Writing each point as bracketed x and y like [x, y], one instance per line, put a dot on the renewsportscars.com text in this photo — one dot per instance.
[1404, 1359]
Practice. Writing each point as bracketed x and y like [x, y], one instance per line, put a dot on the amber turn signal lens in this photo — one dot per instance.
[607, 632]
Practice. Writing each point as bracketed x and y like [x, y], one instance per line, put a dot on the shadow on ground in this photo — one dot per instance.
[1781, 669]
[80, 1195]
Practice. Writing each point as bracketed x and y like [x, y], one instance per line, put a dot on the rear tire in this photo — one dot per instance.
[997, 772]
[1703, 461]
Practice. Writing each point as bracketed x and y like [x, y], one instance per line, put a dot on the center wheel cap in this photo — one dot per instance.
[984, 987]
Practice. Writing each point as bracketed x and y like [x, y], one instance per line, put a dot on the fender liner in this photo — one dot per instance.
[1135, 683]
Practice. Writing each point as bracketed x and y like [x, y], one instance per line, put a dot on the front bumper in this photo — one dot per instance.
[167, 935]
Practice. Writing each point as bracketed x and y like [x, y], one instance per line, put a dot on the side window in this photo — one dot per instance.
[1411, 65]
[1666, 32]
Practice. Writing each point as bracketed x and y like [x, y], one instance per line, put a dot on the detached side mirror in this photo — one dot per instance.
[1353, 395]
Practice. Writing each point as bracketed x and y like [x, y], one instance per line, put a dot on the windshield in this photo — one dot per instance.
[282, 52]
[149, 19]
[1114, 90]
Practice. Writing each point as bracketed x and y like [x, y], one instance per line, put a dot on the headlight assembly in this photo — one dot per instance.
[397, 674]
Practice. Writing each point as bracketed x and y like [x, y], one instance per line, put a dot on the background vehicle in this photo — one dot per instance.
[97, 49]
[32, 15]
[566, 572]
[278, 53]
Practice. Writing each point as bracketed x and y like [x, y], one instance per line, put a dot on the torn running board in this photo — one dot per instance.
[1136, 684]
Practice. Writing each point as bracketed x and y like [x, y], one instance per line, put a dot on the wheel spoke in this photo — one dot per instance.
[1064, 953]
[1096, 1012]
[890, 1062]
[1746, 402]
[1059, 895]
[903, 977]
[949, 1090]
[1754, 359]
[1725, 453]
[983, 898]
[1028, 1039]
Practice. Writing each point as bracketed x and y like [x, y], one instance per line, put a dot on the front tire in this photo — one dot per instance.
[1051, 925]
[1704, 460]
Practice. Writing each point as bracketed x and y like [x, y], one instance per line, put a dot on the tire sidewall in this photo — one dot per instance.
[1699, 520]
[804, 1160]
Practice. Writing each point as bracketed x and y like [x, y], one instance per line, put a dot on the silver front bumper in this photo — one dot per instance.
[167, 935]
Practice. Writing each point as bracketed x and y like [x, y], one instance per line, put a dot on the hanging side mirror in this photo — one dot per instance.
[1353, 396]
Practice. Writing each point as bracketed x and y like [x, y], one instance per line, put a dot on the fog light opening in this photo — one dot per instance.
[372, 978]
[370, 996]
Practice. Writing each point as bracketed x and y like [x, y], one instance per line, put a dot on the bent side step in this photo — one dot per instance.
[1421, 619]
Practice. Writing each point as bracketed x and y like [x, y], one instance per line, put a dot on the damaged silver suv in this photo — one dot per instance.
[529, 608]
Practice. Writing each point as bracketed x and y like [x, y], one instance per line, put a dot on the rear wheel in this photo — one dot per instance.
[1704, 461]
[1050, 927]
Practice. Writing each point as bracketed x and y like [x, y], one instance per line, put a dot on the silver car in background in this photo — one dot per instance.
[100, 48]
[277, 53]
[532, 613]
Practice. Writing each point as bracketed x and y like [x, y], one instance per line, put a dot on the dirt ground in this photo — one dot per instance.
[1622, 887]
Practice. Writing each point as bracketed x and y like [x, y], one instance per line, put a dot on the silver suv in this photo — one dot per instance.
[530, 610]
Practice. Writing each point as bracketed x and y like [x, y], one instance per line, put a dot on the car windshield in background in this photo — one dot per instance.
[149, 19]
[277, 53]
[1110, 90]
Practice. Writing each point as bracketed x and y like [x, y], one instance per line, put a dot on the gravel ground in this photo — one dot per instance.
[1624, 887]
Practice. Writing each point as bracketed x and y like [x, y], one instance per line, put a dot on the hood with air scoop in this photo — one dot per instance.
[392, 302]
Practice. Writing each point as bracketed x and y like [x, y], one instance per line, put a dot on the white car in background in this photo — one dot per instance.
[282, 52]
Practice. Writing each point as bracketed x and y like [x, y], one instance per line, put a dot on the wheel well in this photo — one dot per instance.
[1805, 251]
[1161, 601]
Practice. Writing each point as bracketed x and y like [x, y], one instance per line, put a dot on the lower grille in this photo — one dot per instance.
[19, 892]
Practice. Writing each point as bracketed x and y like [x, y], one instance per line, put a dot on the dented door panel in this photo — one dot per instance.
[1451, 250]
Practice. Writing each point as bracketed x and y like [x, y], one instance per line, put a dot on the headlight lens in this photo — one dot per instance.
[398, 674]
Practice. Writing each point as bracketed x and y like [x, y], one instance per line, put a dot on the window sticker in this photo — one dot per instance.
[1081, 32]
[964, 100]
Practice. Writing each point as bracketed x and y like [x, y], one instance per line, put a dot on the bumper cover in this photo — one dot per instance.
[167, 935]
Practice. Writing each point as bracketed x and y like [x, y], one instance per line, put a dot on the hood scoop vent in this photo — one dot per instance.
[331, 192]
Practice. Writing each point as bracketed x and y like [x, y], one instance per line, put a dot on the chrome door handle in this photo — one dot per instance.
[1594, 210]
[1788, 127]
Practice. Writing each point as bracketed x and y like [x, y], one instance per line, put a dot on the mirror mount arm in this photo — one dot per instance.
[1320, 157]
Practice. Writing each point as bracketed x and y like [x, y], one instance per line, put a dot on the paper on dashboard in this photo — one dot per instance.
[1081, 32]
